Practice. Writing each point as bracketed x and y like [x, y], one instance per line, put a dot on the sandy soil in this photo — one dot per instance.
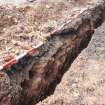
[84, 83]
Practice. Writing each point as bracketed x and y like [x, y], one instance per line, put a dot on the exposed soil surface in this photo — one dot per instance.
[33, 78]
[23, 27]
[84, 83]
[13, 2]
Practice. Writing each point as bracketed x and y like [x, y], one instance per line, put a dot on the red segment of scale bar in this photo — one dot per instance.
[9, 63]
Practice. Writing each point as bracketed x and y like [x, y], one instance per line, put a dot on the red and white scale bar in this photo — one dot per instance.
[15, 60]
[32, 50]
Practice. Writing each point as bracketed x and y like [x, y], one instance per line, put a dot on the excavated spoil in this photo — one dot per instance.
[23, 27]
[35, 77]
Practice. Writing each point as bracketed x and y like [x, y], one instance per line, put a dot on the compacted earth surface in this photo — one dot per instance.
[84, 83]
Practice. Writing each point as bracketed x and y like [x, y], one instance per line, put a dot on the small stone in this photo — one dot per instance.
[76, 93]
[74, 85]
[47, 6]
[15, 20]
[4, 29]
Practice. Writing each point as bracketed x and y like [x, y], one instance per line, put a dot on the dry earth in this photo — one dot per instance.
[15, 2]
[84, 83]
[25, 26]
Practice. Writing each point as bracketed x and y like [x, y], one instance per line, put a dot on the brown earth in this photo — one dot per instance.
[24, 26]
[35, 77]
[84, 83]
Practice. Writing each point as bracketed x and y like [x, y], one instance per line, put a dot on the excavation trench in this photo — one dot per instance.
[36, 76]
